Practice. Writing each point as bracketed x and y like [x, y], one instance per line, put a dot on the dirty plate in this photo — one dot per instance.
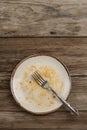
[30, 95]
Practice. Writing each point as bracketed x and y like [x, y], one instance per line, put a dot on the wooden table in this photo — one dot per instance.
[49, 27]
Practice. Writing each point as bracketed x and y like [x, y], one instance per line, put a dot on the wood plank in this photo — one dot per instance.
[26, 18]
[78, 100]
[55, 120]
[79, 83]
[72, 51]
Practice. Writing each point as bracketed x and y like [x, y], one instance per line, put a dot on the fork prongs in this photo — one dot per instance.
[38, 78]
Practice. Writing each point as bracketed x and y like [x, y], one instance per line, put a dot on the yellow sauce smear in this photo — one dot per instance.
[42, 97]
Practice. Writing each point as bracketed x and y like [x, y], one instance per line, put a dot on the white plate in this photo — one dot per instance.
[33, 97]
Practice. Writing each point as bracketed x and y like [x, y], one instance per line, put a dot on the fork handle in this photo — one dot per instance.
[65, 103]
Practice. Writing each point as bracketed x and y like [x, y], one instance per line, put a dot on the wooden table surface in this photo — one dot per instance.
[73, 52]
[26, 18]
[48, 27]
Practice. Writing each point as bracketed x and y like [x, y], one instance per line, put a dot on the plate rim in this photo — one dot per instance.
[13, 73]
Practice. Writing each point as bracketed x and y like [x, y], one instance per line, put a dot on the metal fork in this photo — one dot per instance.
[44, 83]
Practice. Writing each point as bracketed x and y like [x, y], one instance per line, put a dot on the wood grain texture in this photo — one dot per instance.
[59, 120]
[26, 18]
[73, 52]
[78, 100]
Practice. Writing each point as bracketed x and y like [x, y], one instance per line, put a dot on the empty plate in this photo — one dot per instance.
[32, 97]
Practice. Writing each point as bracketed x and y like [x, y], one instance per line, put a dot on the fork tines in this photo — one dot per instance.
[38, 78]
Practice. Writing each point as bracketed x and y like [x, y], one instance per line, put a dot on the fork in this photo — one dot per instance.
[44, 84]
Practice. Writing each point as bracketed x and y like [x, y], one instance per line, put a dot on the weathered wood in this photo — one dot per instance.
[78, 100]
[79, 83]
[43, 18]
[73, 52]
[54, 120]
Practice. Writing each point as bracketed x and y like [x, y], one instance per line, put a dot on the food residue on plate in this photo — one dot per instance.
[42, 97]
